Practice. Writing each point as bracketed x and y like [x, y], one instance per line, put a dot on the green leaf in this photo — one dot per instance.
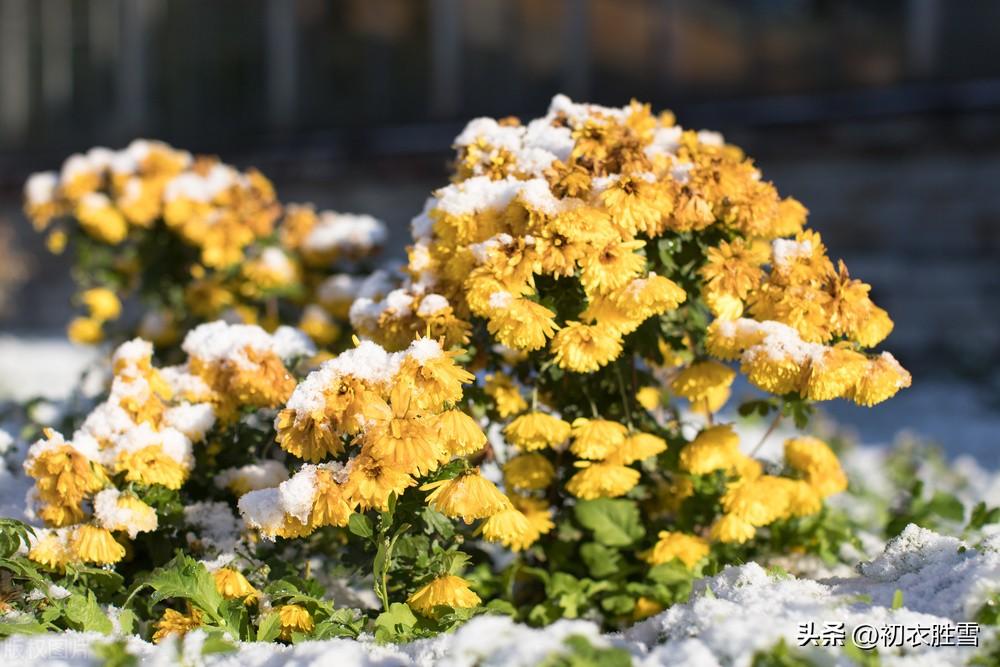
[614, 522]
[618, 605]
[982, 515]
[602, 561]
[216, 643]
[579, 652]
[361, 525]
[21, 626]
[947, 506]
[670, 573]
[395, 623]
[114, 654]
[897, 599]
[269, 627]
[13, 535]
[435, 521]
[83, 613]
[126, 621]
[185, 578]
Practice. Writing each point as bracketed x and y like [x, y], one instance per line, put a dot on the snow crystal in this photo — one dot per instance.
[253, 476]
[297, 493]
[202, 188]
[57, 592]
[710, 138]
[110, 515]
[350, 232]
[500, 299]
[219, 341]
[399, 302]
[194, 420]
[75, 165]
[338, 288]
[95, 200]
[218, 529]
[786, 251]
[423, 350]
[183, 382]
[41, 188]
[289, 343]
[432, 303]
[262, 509]
[479, 193]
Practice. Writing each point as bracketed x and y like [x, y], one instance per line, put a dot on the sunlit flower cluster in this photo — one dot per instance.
[212, 240]
[533, 417]
[625, 251]
[88, 488]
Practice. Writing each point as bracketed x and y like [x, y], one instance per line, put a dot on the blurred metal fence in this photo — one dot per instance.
[80, 72]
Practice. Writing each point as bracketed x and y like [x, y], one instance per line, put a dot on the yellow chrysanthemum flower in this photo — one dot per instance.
[816, 461]
[370, 483]
[438, 380]
[102, 303]
[832, 374]
[689, 549]
[528, 472]
[63, 476]
[652, 295]
[294, 618]
[174, 622]
[758, 502]
[883, 378]
[510, 528]
[731, 529]
[584, 348]
[521, 323]
[646, 607]
[537, 430]
[596, 438]
[612, 266]
[460, 433]
[330, 503]
[602, 480]
[469, 496]
[704, 383]
[637, 447]
[233, 585]
[447, 591]
[715, 448]
[91, 544]
[85, 331]
[506, 396]
[306, 437]
[772, 370]
[51, 550]
[409, 445]
[130, 515]
[649, 397]
[151, 465]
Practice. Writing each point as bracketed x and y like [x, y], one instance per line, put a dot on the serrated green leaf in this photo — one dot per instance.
[85, 614]
[395, 623]
[614, 522]
[269, 627]
[361, 525]
[601, 561]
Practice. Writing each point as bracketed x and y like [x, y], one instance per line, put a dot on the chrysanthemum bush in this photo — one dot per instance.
[192, 239]
[533, 421]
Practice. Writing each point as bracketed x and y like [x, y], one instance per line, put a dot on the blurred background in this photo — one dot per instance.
[882, 117]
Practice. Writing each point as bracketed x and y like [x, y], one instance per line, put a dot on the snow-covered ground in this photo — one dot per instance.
[730, 618]
[923, 585]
